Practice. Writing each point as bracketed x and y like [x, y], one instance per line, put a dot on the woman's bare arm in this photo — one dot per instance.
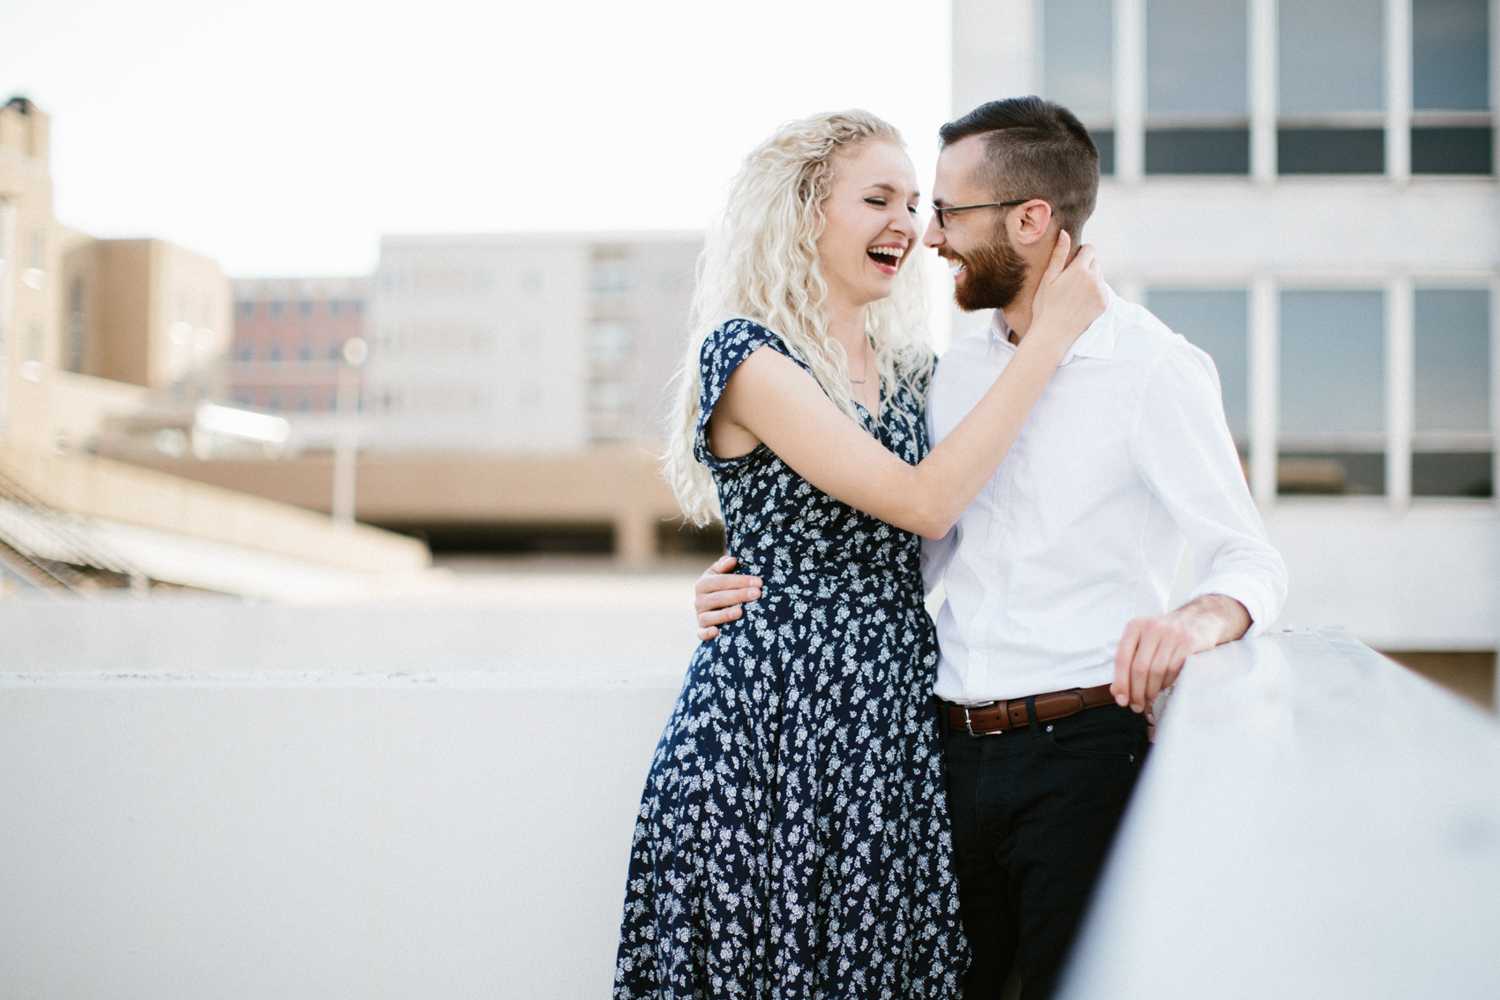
[775, 400]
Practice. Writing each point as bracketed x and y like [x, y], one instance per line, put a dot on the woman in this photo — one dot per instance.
[792, 839]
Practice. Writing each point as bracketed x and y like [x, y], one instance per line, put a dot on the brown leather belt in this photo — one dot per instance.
[1004, 716]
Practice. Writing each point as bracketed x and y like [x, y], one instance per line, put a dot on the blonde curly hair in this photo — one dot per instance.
[760, 262]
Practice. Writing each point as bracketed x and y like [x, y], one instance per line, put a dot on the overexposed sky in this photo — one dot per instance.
[283, 137]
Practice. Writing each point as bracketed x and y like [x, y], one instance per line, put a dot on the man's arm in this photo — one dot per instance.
[718, 594]
[1182, 447]
[1153, 650]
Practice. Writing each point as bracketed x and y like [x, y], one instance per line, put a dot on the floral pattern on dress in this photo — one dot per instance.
[793, 838]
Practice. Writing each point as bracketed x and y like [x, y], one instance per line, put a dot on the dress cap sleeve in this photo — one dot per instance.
[724, 350]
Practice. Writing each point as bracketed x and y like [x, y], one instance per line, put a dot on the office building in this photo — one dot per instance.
[1306, 189]
[289, 335]
[525, 343]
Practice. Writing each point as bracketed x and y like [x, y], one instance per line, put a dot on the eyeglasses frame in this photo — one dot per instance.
[939, 211]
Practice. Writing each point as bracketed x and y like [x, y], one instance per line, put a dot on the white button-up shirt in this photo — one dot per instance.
[1125, 460]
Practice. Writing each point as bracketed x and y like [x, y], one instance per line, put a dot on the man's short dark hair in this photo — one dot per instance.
[1035, 148]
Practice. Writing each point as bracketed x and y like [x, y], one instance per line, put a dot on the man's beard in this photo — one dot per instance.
[994, 274]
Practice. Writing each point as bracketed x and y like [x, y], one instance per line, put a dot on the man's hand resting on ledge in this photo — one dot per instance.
[1152, 650]
[718, 595]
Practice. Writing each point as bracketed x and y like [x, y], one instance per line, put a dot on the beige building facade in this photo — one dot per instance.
[97, 336]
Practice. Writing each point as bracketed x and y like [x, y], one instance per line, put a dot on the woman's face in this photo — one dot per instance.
[871, 222]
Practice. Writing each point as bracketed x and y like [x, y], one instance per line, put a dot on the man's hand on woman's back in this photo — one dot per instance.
[718, 594]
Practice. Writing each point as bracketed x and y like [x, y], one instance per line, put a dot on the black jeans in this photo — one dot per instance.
[1033, 814]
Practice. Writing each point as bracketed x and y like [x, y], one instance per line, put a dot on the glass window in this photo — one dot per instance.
[305, 352]
[1078, 66]
[74, 362]
[1104, 139]
[1330, 150]
[1452, 474]
[610, 340]
[1459, 149]
[1198, 151]
[274, 353]
[1451, 357]
[1452, 450]
[277, 308]
[1217, 321]
[246, 308]
[1450, 55]
[1196, 55]
[1078, 55]
[609, 406]
[611, 277]
[245, 352]
[1196, 88]
[1331, 55]
[1332, 392]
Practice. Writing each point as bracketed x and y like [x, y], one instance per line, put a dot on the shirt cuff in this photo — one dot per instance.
[1248, 591]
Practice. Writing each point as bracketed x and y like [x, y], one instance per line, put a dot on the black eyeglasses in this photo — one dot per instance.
[940, 212]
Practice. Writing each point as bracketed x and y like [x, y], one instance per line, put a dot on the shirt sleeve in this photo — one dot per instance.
[1182, 446]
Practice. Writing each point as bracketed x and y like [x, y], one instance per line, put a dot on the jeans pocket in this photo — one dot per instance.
[1107, 736]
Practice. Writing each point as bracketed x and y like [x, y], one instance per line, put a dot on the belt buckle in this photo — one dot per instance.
[969, 719]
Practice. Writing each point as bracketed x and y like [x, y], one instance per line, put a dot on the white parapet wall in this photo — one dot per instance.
[210, 798]
[1314, 821]
[214, 799]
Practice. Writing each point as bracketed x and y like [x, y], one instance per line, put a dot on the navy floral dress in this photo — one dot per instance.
[793, 838]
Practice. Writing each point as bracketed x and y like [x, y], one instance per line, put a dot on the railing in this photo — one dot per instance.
[1315, 821]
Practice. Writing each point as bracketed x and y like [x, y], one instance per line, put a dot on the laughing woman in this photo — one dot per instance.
[792, 840]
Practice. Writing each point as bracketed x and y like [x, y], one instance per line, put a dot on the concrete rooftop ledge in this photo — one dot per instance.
[214, 798]
[1315, 821]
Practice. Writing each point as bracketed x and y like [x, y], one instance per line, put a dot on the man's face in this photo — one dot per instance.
[988, 270]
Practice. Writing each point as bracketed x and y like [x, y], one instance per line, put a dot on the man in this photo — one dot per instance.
[1054, 631]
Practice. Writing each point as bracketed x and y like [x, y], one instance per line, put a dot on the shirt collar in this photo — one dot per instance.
[1098, 341]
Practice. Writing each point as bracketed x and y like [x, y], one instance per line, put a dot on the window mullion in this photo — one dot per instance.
[1263, 96]
[1264, 389]
[1495, 391]
[1398, 89]
[1130, 89]
[1400, 324]
[1495, 156]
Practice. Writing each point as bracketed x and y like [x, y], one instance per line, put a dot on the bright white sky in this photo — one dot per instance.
[282, 137]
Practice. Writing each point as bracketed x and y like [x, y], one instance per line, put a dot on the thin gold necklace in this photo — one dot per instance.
[864, 370]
